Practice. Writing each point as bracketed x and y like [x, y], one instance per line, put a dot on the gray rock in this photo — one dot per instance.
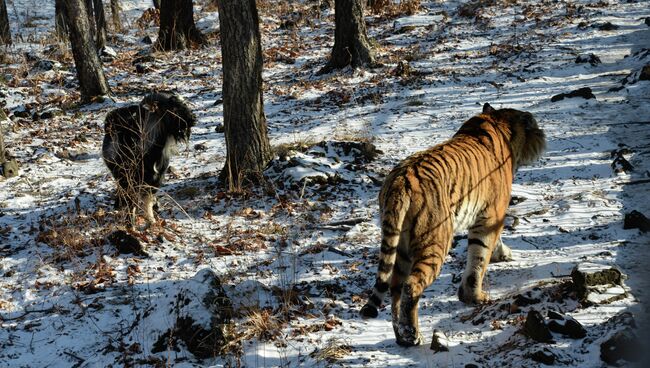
[588, 58]
[536, 329]
[623, 345]
[439, 341]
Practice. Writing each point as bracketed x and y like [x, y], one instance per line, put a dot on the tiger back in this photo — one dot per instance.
[462, 184]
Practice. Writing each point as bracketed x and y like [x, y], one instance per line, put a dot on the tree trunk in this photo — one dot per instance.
[351, 45]
[5, 32]
[156, 4]
[91, 18]
[100, 24]
[89, 68]
[115, 15]
[60, 21]
[247, 143]
[177, 29]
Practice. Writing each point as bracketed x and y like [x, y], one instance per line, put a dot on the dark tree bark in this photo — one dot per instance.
[177, 29]
[5, 32]
[89, 68]
[91, 18]
[115, 15]
[247, 143]
[156, 4]
[351, 45]
[100, 24]
[60, 21]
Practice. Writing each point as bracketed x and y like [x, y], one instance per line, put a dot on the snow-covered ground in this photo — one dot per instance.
[295, 259]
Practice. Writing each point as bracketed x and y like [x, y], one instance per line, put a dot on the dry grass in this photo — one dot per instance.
[334, 349]
[393, 9]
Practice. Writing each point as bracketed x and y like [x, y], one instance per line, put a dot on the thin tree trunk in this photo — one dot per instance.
[351, 45]
[115, 15]
[247, 143]
[91, 18]
[177, 29]
[5, 32]
[100, 24]
[89, 68]
[60, 21]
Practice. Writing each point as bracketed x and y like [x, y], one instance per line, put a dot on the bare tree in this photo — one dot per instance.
[60, 21]
[5, 32]
[351, 45]
[177, 29]
[247, 143]
[100, 24]
[89, 68]
[115, 15]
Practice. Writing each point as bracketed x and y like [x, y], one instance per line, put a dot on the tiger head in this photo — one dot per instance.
[527, 140]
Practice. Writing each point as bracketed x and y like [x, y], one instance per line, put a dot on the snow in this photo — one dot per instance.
[290, 252]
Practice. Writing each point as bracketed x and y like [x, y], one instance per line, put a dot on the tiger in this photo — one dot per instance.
[461, 184]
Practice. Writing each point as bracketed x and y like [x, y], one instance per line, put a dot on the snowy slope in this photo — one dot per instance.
[296, 258]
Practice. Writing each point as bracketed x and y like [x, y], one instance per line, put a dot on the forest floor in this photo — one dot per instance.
[276, 276]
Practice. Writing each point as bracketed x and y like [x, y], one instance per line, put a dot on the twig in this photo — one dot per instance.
[177, 205]
[70, 354]
[51, 309]
[530, 242]
[338, 251]
[634, 182]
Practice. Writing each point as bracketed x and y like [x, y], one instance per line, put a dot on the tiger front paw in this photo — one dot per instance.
[469, 296]
[408, 336]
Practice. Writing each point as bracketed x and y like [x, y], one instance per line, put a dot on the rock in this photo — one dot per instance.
[588, 58]
[566, 325]
[50, 113]
[9, 168]
[636, 220]
[543, 356]
[203, 313]
[604, 294]
[142, 69]
[535, 328]
[522, 301]
[586, 275]
[608, 26]
[143, 59]
[584, 92]
[647, 21]
[621, 165]
[220, 128]
[22, 112]
[147, 40]
[645, 73]
[439, 341]
[471, 365]
[126, 243]
[623, 345]
[108, 51]
[46, 65]
[622, 319]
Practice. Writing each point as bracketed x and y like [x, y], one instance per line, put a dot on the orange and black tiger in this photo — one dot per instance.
[461, 184]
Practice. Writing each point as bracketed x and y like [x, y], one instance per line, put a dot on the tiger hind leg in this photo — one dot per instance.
[426, 267]
[400, 272]
[481, 242]
[387, 256]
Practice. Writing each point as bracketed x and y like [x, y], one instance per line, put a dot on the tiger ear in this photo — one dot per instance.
[487, 109]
